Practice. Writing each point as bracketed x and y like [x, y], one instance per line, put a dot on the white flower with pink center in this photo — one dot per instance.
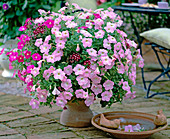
[67, 95]
[59, 74]
[106, 60]
[92, 52]
[112, 39]
[102, 52]
[106, 44]
[68, 70]
[108, 84]
[106, 95]
[99, 34]
[38, 42]
[95, 79]
[96, 88]
[82, 80]
[78, 69]
[79, 93]
[126, 86]
[66, 84]
[87, 42]
[45, 48]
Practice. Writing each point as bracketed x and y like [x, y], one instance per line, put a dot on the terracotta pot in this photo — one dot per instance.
[76, 115]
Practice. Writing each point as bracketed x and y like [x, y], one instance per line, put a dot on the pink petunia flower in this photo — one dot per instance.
[34, 103]
[20, 58]
[36, 57]
[106, 60]
[61, 101]
[126, 86]
[42, 96]
[35, 71]
[106, 95]
[79, 93]
[66, 84]
[20, 44]
[78, 69]
[67, 95]
[99, 34]
[96, 88]
[108, 84]
[45, 48]
[87, 42]
[129, 128]
[59, 74]
[30, 68]
[95, 79]
[106, 44]
[89, 100]
[49, 23]
[27, 54]
[38, 42]
[68, 70]
[92, 52]
[82, 80]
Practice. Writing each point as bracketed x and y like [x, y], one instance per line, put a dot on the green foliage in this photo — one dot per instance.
[18, 11]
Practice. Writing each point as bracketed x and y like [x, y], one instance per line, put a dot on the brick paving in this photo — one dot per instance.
[19, 121]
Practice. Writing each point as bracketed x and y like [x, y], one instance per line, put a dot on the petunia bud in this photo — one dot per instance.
[55, 91]
[78, 48]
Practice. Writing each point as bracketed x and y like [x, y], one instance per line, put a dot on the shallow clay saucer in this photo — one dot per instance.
[133, 118]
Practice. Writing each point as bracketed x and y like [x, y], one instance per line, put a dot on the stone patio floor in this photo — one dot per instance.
[19, 121]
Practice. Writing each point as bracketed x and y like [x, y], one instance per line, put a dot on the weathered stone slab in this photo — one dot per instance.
[52, 116]
[27, 122]
[158, 136]
[16, 115]
[39, 129]
[45, 109]
[4, 130]
[17, 136]
[7, 109]
[60, 135]
[93, 134]
[12, 100]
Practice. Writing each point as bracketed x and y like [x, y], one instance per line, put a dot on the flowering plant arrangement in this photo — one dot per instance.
[76, 54]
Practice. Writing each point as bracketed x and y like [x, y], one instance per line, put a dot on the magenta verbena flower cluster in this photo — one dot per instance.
[76, 54]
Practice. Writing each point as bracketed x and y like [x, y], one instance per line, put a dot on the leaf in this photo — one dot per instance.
[25, 5]
[5, 26]
[47, 7]
[19, 13]
[10, 15]
[14, 2]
